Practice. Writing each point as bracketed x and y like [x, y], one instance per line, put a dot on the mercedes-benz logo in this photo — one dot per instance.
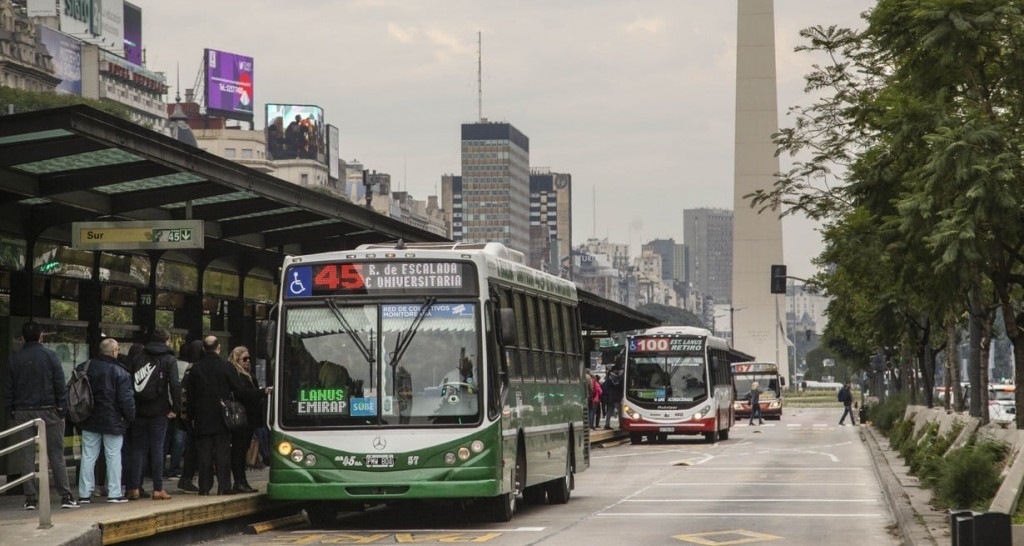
[379, 443]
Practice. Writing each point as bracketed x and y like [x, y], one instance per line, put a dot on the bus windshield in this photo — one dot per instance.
[768, 383]
[380, 365]
[666, 379]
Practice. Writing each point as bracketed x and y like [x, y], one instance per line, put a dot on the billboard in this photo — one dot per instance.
[296, 131]
[41, 8]
[98, 22]
[67, 59]
[133, 33]
[229, 84]
[333, 151]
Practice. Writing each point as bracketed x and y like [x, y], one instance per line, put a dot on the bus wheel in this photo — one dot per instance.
[500, 509]
[711, 437]
[635, 438]
[560, 490]
[321, 514]
[724, 435]
[534, 494]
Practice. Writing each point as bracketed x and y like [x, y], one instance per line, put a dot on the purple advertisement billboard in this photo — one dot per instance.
[296, 131]
[133, 33]
[67, 59]
[229, 84]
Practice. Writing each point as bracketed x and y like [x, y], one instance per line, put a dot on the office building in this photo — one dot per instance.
[707, 234]
[495, 188]
[550, 220]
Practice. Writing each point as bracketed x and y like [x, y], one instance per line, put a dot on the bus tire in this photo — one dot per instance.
[635, 438]
[724, 434]
[559, 491]
[501, 508]
[712, 437]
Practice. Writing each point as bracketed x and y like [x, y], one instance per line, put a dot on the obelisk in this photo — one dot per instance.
[758, 315]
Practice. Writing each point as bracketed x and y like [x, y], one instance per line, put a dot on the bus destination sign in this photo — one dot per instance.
[380, 278]
[755, 367]
[666, 344]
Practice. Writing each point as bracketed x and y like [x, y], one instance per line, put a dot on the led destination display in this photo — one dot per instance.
[375, 278]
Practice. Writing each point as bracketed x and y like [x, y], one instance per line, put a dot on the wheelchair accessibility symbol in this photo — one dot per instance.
[300, 281]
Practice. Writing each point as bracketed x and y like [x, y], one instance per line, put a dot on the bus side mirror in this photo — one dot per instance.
[782, 381]
[509, 333]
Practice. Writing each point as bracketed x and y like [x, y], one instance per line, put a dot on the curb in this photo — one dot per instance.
[912, 531]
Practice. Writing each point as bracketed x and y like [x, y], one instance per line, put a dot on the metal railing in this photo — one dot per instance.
[43, 473]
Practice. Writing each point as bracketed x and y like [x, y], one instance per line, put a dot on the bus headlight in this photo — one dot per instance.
[284, 448]
[449, 458]
[775, 404]
[700, 414]
[477, 446]
[630, 412]
[737, 405]
[463, 453]
[310, 460]
[297, 455]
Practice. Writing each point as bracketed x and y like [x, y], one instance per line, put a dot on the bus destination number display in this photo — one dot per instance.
[376, 278]
[755, 367]
[665, 344]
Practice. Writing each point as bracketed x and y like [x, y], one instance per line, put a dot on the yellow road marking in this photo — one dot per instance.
[747, 537]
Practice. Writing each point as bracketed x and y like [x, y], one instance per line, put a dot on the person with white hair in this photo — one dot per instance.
[755, 403]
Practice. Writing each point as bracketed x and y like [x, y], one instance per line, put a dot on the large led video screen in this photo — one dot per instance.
[296, 131]
[67, 59]
[133, 33]
[229, 84]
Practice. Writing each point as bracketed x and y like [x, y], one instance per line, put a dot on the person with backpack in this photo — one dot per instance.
[113, 410]
[157, 399]
[612, 392]
[846, 397]
[35, 389]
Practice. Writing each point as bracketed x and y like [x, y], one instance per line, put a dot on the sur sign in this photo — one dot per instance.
[155, 235]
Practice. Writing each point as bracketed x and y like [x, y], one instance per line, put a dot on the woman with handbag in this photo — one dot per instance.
[242, 437]
[213, 386]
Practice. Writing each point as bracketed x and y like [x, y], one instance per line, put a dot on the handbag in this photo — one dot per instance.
[233, 413]
[252, 456]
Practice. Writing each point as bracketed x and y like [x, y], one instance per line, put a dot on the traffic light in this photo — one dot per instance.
[778, 279]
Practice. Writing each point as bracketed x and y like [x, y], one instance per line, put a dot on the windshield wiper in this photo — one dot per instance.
[405, 338]
[367, 352]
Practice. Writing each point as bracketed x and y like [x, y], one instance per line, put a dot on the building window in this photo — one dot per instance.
[229, 153]
[304, 179]
[246, 153]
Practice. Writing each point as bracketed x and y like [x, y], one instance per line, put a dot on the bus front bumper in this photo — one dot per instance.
[690, 426]
[354, 485]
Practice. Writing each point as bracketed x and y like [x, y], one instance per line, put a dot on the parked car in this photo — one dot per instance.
[1002, 404]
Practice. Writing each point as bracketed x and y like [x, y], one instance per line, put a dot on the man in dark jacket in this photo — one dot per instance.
[35, 389]
[211, 380]
[157, 364]
[612, 391]
[113, 410]
[846, 397]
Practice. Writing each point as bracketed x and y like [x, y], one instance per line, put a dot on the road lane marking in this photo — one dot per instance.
[797, 484]
[752, 500]
[734, 515]
[748, 537]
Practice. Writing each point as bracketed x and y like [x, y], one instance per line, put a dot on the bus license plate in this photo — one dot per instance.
[666, 429]
[380, 461]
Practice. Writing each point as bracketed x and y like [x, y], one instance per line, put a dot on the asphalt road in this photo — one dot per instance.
[802, 480]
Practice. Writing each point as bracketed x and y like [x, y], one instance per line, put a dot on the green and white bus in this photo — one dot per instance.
[425, 371]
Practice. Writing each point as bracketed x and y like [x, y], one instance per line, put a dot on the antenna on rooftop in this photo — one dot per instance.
[479, 77]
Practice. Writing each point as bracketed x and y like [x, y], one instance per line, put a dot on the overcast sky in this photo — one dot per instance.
[634, 98]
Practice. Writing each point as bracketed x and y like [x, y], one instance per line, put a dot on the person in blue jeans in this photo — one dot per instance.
[755, 403]
[846, 397]
[113, 399]
[157, 399]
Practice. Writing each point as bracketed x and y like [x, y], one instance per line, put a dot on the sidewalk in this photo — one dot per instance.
[103, 523]
[910, 503]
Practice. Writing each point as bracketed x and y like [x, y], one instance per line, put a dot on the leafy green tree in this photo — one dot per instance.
[29, 101]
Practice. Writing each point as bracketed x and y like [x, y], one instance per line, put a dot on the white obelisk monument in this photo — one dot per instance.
[758, 315]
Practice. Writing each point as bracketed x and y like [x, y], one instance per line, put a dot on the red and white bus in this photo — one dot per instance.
[678, 380]
[766, 374]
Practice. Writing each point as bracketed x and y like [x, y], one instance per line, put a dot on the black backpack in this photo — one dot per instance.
[148, 376]
[79, 395]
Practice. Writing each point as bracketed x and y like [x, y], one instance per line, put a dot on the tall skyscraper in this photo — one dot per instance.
[759, 328]
[550, 219]
[708, 234]
[495, 185]
[673, 258]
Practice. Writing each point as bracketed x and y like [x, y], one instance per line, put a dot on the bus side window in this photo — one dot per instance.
[495, 385]
[522, 352]
[545, 338]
